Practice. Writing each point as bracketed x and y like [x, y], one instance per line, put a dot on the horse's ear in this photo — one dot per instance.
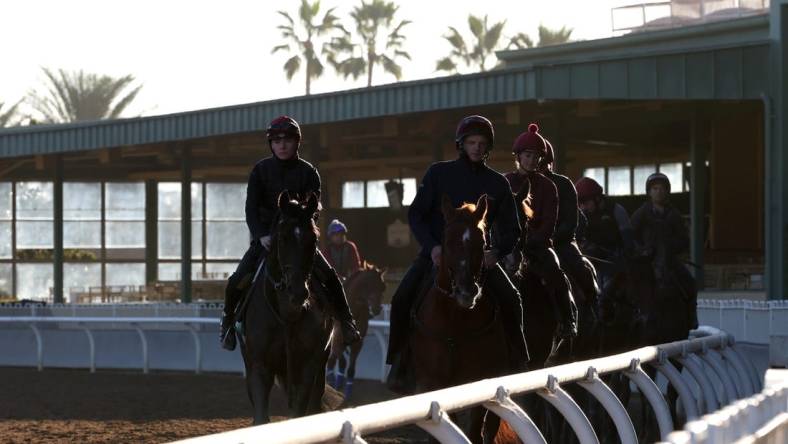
[446, 207]
[284, 199]
[312, 203]
[481, 207]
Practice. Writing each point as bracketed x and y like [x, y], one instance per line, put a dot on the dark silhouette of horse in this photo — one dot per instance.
[286, 333]
[457, 335]
[365, 296]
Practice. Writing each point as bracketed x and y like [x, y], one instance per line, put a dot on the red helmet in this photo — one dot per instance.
[283, 124]
[474, 125]
[587, 188]
[530, 140]
[657, 177]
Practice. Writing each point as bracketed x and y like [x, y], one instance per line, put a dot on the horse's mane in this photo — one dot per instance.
[312, 223]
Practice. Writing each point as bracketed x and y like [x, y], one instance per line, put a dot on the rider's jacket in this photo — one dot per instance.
[652, 227]
[463, 181]
[544, 203]
[268, 179]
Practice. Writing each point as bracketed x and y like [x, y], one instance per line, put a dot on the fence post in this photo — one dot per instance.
[653, 395]
[555, 395]
[613, 406]
[509, 411]
[441, 427]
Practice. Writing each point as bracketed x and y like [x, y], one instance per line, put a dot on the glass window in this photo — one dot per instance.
[409, 184]
[6, 280]
[81, 201]
[34, 281]
[83, 234]
[353, 194]
[34, 201]
[5, 240]
[77, 280]
[125, 234]
[125, 201]
[226, 240]
[641, 173]
[126, 274]
[598, 174]
[220, 270]
[675, 173]
[618, 179]
[5, 200]
[169, 200]
[34, 234]
[225, 201]
[170, 239]
[169, 233]
[169, 271]
[376, 194]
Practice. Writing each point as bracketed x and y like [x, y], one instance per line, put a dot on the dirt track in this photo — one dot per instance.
[115, 407]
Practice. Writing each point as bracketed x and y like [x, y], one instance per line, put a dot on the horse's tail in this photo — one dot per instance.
[336, 342]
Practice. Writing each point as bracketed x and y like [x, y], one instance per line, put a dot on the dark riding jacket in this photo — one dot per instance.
[268, 179]
[566, 226]
[609, 231]
[652, 227]
[463, 181]
[544, 202]
[344, 258]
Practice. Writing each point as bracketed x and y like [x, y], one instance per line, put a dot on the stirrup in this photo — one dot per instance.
[228, 339]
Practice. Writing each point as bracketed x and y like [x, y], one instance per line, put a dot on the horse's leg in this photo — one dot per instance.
[259, 381]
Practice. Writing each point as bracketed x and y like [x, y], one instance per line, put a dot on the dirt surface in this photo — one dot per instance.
[58, 406]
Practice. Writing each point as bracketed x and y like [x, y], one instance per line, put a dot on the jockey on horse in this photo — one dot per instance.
[657, 222]
[283, 170]
[530, 148]
[464, 179]
[607, 238]
[340, 252]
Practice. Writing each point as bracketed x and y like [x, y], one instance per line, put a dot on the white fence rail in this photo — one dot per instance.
[713, 357]
[761, 418]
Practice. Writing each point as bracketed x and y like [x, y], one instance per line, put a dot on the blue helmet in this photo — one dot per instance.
[336, 227]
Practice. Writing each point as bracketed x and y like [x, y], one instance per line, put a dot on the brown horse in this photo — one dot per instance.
[365, 297]
[286, 331]
[457, 335]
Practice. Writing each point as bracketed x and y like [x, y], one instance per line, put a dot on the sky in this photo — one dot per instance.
[195, 54]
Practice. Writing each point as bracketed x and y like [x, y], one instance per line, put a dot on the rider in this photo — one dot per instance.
[283, 170]
[341, 253]
[607, 237]
[658, 223]
[529, 149]
[564, 239]
[464, 179]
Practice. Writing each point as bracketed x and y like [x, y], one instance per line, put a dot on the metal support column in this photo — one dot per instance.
[186, 224]
[151, 231]
[776, 158]
[698, 190]
[57, 259]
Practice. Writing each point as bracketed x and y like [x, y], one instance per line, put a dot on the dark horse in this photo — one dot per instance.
[457, 335]
[287, 331]
[365, 296]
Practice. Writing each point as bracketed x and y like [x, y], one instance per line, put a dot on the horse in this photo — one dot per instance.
[365, 290]
[286, 330]
[457, 335]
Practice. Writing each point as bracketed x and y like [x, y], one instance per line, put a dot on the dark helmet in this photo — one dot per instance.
[474, 125]
[587, 189]
[657, 177]
[283, 124]
[530, 140]
[547, 161]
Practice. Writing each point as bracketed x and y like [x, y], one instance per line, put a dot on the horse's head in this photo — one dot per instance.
[463, 251]
[522, 200]
[294, 242]
[368, 283]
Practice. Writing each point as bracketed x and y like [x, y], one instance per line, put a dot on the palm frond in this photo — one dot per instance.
[446, 64]
[292, 65]
[390, 66]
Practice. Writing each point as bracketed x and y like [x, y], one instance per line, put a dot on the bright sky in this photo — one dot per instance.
[193, 54]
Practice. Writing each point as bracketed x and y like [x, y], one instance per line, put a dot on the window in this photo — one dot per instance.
[81, 215]
[372, 193]
[675, 173]
[641, 174]
[34, 281]
[169, 224]
[619, 181]
[598, 174]
[34, 212]
[227, 236]
[124, 205]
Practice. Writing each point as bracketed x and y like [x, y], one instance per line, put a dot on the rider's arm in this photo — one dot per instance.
[420, 209]
[254, 196]
[680, 240]
[506, 225]
[547, 210]
[567, 211]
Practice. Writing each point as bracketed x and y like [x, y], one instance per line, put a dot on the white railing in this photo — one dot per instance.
[714, 354]
[154, 309]
[759, 418]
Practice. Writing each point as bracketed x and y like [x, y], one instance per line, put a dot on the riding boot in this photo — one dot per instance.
[511, 311]
[562, 301]
[231, 296]
[336, 299]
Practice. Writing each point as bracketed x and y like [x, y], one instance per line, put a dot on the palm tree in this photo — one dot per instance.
[547, 37]
[304, 42]
[381, 42]
[486, 40]
[7, 115]
[76, 96]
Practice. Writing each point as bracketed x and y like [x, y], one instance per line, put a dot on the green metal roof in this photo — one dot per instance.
[725, 60]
